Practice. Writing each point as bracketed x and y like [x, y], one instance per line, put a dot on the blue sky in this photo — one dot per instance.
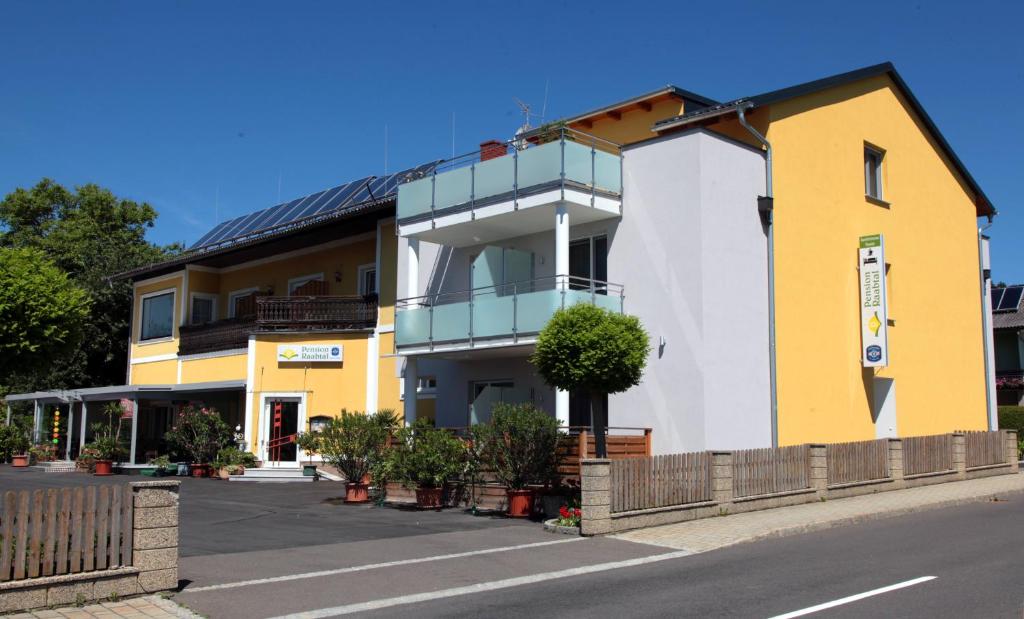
[209, 110]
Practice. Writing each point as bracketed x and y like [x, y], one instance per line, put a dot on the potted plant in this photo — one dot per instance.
[157, 467]
[520, 447]
[198, 434]
[232, 461]
[424, 458]
[86, 460]
[14, 445]
[107, 442]
[309, 443]
[354, 443]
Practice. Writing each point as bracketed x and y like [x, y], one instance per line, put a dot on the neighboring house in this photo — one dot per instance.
[1008, 328]
[657, 207]
[279, 319]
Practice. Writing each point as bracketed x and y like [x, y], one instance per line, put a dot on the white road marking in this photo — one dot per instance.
[481, 587]
[376, 566]
[854, 598]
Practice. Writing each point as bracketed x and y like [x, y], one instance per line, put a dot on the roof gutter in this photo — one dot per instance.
[766, 207]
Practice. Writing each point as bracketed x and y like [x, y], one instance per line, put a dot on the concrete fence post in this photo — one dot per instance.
[819, 469]
[896, 460]
[960, 455]
[1012, 455]
[155, 534]
[595, 496]
[721, 477]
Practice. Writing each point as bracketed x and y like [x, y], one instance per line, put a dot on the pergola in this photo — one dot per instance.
[133, 393]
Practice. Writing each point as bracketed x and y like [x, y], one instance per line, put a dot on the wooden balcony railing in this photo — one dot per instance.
[214, 336]
[316, 313]
[301, 313]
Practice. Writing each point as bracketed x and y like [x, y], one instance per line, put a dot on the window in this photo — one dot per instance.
[368, 279]
[204, 309]
[296, 283]
[426, 384]
[588, 259]
[157, 316]
[235, 297]
[873, 172]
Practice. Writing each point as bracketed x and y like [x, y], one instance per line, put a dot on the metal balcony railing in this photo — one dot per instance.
[559, 158]
[513, 310]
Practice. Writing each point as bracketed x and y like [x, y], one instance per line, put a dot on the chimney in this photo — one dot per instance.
[492, 149]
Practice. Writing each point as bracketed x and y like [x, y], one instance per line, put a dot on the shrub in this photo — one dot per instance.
[233, 459]
[353, 442]
[1012, 418]
[519, 445]
[424, 456]
[198, 434]
[13, 440]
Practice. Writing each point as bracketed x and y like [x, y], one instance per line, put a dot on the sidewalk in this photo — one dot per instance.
[150, 606]
[712, 533]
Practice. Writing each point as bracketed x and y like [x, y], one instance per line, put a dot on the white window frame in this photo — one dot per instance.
[174, 318]
[234, 296]
[213, 298]
[879, 154]
[295, 282]
[361, 277]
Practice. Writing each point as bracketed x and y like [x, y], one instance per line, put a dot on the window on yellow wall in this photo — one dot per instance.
[873, 157]
[157, 316]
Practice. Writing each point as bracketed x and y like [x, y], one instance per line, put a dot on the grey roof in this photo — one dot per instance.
[982, 203]
[116, 392]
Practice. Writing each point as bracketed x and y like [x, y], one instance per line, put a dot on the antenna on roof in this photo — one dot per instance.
[544, 108]
[385, 154]
[526, 126]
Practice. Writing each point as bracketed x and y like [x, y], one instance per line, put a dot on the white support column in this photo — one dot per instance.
[410, 383]
[67, 433]
[135, 429]
[37, 421]
[561, 247]
[82, 424]
[412, 269]
[562, 408]
[8, 413]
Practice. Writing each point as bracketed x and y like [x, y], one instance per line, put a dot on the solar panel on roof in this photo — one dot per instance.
[997, 296]
[1011, 299]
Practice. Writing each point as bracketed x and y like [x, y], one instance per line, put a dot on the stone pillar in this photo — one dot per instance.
[960, 455]
[721, 477]
[896, 460]
[596, 498]
[1011, 449]
[819, 469]
[155, 534]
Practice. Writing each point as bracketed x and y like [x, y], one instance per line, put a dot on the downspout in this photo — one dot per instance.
[986, 333]
[766, 207]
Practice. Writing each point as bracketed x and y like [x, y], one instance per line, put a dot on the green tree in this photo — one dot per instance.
[42, 312]
[90, 234]
[590, 349]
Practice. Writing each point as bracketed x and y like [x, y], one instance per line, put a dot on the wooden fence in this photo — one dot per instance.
[927, 454]
[984, 448]
[660, 481]
[859, 461]
[581, 444]
[770, 471]
[65, 531]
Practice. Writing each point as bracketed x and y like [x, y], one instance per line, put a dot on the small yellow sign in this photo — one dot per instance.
[875, 324]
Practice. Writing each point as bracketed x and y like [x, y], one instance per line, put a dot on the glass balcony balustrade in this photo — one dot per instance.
[495, 313]
[557, 159]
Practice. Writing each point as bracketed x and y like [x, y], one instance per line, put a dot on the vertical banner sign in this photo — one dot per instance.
[873, 308]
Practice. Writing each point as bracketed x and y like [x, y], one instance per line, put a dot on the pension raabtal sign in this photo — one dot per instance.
[309, 353]
[874, 312]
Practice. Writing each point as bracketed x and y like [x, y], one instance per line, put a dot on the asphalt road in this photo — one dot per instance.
[974, 551]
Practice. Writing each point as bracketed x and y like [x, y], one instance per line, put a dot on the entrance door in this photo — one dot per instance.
[282, 415]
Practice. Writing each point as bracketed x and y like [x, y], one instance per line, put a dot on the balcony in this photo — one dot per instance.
[280, 314]
[503, 189]
[490, 316]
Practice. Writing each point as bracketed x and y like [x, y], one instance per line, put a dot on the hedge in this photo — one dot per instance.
[1012, 418]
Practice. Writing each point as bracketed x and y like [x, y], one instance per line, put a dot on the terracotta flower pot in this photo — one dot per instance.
[104, 468]
[520, 503]
[357, 492]
[428, 498]
[199, 470]
[19, 460]
[224, 473]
